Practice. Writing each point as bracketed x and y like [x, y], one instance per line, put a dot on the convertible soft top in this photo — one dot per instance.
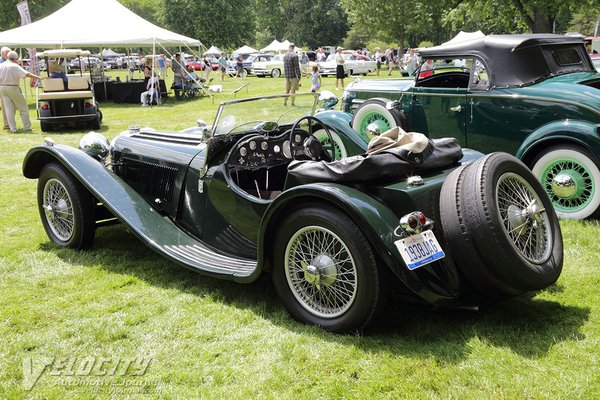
[518, 60]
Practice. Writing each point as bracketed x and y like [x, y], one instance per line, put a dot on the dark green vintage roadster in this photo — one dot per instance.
[290, 191]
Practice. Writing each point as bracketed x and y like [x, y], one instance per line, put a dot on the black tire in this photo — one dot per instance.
[374, 111]
[362, 291]
[45, 127]
[58, 189]
[460, 247]
[95, 123]
[502, 229]
[578, 170]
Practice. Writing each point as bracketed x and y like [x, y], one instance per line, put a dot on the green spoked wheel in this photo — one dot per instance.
[374, 111]
[570, 175]
[338, 145]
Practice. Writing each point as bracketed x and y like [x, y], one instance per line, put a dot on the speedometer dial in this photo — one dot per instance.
[287, 151]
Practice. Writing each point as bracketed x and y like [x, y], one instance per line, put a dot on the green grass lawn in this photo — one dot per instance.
[215, 339]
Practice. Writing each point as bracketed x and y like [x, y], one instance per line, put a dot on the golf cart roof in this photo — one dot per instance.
[64, 53]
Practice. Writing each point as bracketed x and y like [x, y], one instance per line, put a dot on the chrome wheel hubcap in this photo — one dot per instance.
[320, 271]
[564, 186]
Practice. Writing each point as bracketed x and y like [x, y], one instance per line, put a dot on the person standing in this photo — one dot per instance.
[340, 72]
[291, 70]
[304, 64]
[147, 70]
[391, 61]
[316, 79]
[4, 51]
[377, 60]
[162, 64]
[223, 66]
[11, 74]
[239, 66]
[206, 67]
[177, 75]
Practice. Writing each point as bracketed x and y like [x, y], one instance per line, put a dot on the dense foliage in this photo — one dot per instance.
[354, 22]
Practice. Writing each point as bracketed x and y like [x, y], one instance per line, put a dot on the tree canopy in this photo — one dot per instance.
[231, 24]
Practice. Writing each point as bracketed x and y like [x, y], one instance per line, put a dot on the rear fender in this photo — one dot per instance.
[582, 133]
[374, 219]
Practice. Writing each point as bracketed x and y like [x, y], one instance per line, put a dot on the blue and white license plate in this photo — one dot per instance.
[420, 249]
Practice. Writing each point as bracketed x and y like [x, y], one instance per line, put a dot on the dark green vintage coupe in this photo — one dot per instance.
[284, 190]
[534, 96]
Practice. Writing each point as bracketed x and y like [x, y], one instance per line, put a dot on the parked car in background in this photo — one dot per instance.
[353, 65]
[534, 96]
[262, 191]
[248, 59]
[271, 67]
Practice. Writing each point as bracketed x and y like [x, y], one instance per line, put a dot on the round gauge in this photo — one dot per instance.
[243, 152]
[298, 138]
[264, 145]
[253, 145]
[287, 151]
[276, 149]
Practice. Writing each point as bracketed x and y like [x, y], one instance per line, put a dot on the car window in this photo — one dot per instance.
[444, 73]
[566, 56]
[480, 79]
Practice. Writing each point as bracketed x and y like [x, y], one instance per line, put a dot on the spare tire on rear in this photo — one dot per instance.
[500, 227]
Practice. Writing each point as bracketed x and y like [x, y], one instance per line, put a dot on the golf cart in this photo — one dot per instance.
[67, 99]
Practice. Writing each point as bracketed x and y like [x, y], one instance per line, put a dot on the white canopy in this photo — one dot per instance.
[213, 51]
[245, 50]
[108, 53]
[84, 23]
[274, 46]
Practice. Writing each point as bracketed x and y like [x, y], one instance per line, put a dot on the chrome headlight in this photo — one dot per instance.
[95, 145]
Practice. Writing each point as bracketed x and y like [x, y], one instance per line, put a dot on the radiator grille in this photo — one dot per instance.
[157, 180]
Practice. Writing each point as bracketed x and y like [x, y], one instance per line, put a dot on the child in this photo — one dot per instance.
[316, 79]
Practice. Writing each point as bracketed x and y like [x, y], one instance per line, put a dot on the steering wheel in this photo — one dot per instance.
[312, 147]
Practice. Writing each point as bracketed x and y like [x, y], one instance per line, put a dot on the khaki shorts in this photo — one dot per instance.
[291, 84]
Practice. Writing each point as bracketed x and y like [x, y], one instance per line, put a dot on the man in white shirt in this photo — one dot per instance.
[11, 74]
[4, 51]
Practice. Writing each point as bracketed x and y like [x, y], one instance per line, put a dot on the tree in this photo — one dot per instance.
[312, 24]
[224, 23]
[10, 18]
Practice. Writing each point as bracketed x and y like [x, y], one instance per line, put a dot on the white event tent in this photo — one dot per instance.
[245, 50]
[213, 51]
[275, 46]
[85, 23]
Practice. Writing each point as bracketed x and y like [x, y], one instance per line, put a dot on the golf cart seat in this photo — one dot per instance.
[54, 89]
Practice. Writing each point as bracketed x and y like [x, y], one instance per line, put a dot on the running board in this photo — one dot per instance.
[208, 259]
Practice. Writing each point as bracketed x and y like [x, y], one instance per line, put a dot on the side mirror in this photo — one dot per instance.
[373, 129]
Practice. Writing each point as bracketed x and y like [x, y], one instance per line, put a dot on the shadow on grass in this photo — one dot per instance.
[525, 325]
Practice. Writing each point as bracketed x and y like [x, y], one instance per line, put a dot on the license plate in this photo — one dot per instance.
[419, 250]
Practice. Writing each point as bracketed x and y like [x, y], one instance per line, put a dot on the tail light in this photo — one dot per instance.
[88, 104]
[413, 223]
[44, 105]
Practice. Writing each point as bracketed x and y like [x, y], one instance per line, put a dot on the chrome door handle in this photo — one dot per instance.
[458, 108]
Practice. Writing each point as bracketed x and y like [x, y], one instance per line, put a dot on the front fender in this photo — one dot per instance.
[374, 218]
[583, 133]
[156, 231]
[340, 122]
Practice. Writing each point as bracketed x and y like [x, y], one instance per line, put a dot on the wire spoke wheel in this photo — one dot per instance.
[321, 271]
[58, 208]
[524, 218]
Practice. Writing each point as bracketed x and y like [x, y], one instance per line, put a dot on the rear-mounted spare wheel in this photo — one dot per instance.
[500, 227]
